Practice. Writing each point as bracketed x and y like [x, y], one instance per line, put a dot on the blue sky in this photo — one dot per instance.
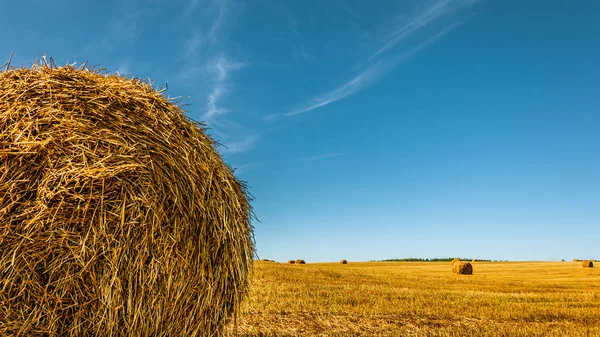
[371, 129]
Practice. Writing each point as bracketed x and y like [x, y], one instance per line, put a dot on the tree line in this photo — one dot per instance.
[437, 259]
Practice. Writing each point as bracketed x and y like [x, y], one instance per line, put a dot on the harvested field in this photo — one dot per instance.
[422, 299]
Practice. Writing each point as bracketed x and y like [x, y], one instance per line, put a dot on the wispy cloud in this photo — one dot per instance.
[376, 69]
[216, 25]
[369, 76]
[243, 145]
[220, 69]
[194, 43]
[212, 100]
[408, 27]
[224, 66]
[235, 137]
[220, 72]
[192, 6]
[346, 89]
[196, 72]
[217, 10]
[322, 156]
[210, 66]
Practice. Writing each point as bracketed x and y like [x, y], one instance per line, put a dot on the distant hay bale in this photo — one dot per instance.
[291, 261]
[461, 267]
[300, 262]
[343, 262]
[118, 217]
[587, 263]
[576, 260]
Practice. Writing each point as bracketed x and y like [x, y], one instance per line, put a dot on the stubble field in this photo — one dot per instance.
[421, 299]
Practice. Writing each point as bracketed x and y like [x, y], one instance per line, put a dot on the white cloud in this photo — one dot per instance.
[211, 69]
[212, 100]
[223, 66]
[196, 72]
[408, 27]
[346, 89]
[216, 9]
[377, 69]
[241, 145]
[220, 71]
[195, 42]
[369, 76]
[216, 26]
[192, 6]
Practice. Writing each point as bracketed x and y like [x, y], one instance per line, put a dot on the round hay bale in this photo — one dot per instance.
[464, 268]
[576, 260]
[343, 262]
[118, 217]
[291, 261]
[587, 263]
[300, 262]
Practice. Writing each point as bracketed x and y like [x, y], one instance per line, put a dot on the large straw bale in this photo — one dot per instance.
[118, 217]
[300, 261]
[291, 261]
[462, 267]
[587, 263]
[343, 262]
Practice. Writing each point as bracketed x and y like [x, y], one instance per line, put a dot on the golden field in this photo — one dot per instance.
[421, 299]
